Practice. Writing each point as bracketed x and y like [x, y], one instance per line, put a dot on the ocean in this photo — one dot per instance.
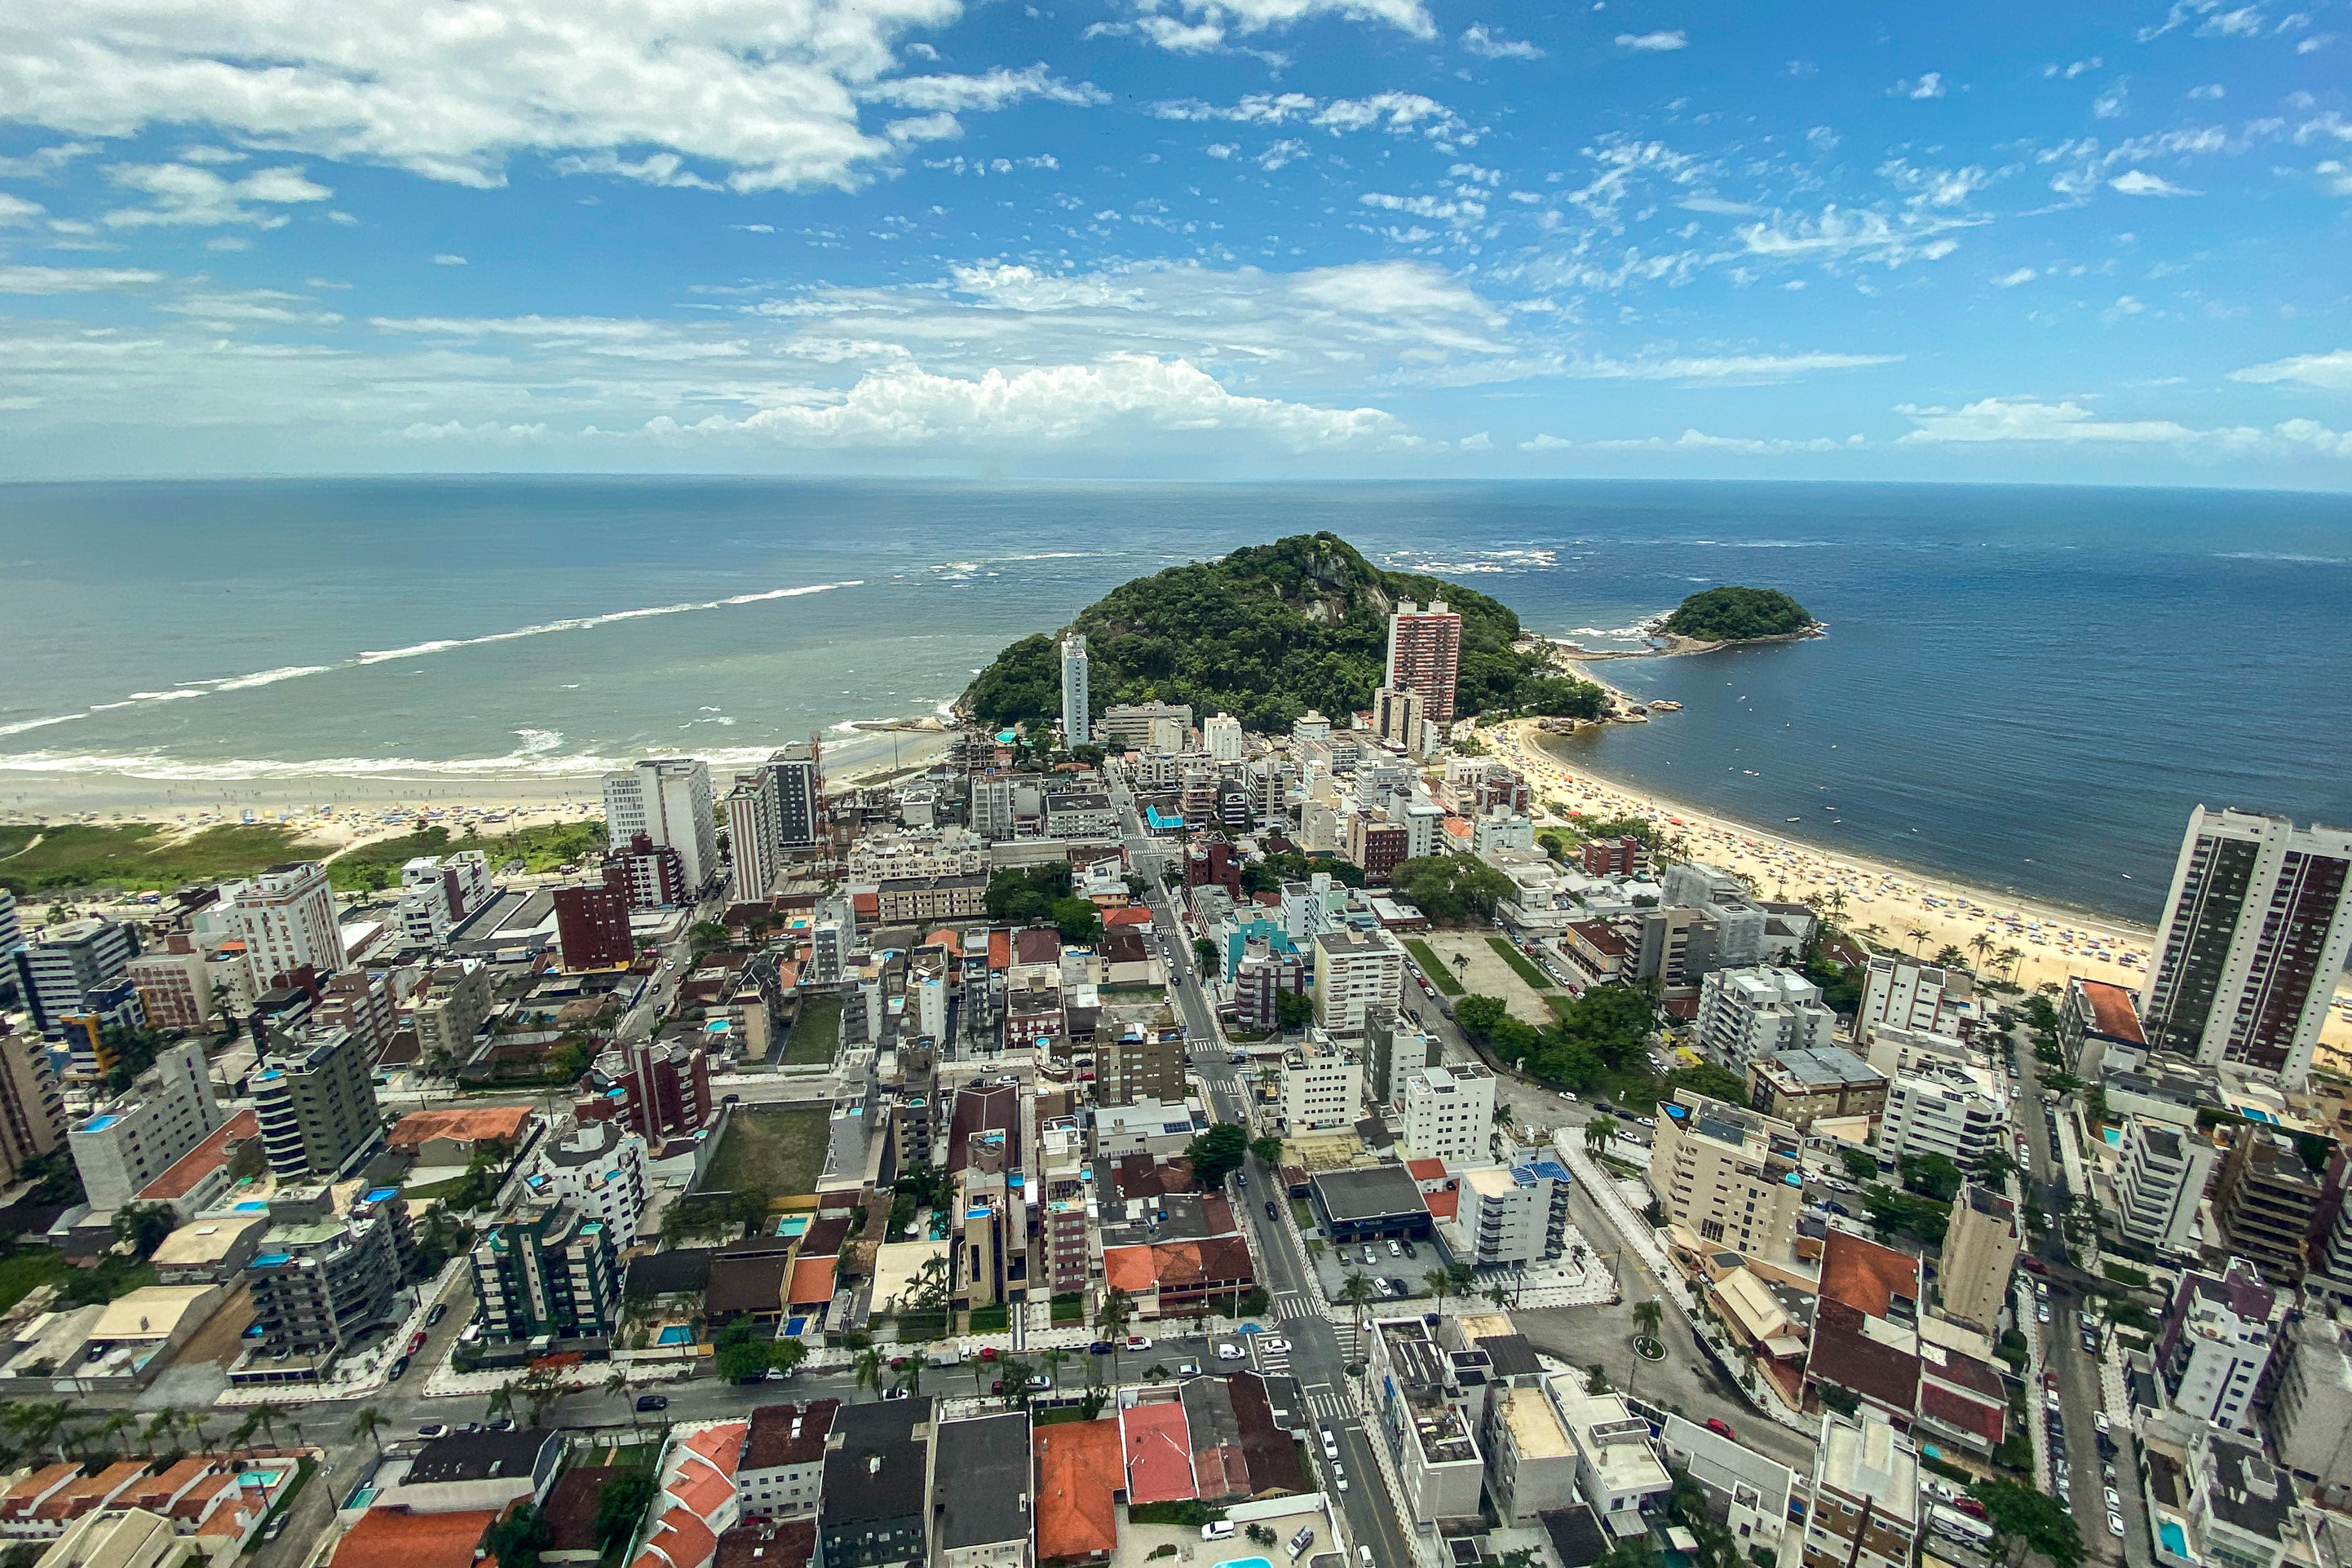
[2026, 687]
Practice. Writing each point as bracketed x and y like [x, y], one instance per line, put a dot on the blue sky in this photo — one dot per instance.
[1178, 238]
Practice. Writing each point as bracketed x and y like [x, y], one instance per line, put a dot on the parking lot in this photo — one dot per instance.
[1402, 1268]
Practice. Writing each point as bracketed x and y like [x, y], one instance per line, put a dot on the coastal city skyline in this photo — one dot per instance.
[1230, 237]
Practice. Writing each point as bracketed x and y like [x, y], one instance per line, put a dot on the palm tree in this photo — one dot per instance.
[1440, 1281]
[1647, 1315]
[117, 1423]
[911, 1379]
[1599, 1133]
[869, 1369]
[2011, 957]
[166, 1421]
[1500, 1295]
[241, 1434]
[1049, 1361]
[1356, 1291]
[1113, 1320]
[1982, 946]
[1918, 935]
[365, 1423]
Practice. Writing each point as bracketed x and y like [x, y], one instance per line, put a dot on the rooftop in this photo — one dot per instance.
[1079, 1468]
[478, 1455]
[788, 1434]
[394, 1538]
[1372, 1192]
[982, 1490]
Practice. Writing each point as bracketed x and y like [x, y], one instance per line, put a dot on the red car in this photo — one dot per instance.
[1720, 1428]
[417, 1341]
[2035, 1265]
[988, 1352]
[1969, 1506]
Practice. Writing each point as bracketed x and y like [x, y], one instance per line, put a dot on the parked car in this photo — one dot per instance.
[2115, 1499]
[649, 1403]
[988, 1352]
[1568, 1095]
[2099, 1420]
[1188, 1369]
[1228, 1351]
[276, 1528]
[1969, 1505]
[1217, 1530]
[2116, 1525]
[1038, 1384]
[433, 1430]
[503, 1424]
[1720, 1428]
[1139, 1342]
[1102, 1347]
[440, 1310]
[399, 1369]
[1396, 1248]
[896, 1394]
[1330, 1445]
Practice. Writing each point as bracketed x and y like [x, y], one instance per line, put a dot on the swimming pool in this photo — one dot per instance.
[791, 1225]
[2176, 1539]
[2114, 1135]
[677, 1333]
[1245, 1562]
[260, 1478]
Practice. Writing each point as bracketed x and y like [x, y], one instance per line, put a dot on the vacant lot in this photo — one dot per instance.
[778, 1151]
[815, 1033]
[136, 856]
[1485, 974]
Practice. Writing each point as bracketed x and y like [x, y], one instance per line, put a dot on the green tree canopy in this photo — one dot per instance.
[1030, 894]
[1731, 615]
[1451, 888]
[2026, 1520]
[1217, 1154]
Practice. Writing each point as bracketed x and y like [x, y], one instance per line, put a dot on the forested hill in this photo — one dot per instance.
[1267, 633]
[1732, 614]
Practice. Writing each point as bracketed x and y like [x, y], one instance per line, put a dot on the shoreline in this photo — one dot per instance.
[336, 810]
[1885, 898]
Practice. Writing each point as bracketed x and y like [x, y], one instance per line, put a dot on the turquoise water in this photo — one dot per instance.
[2114, 656]
[2113, 1135]
[2175, 1540]
[1245, 1562]
[791, 1225]
[677, 1333]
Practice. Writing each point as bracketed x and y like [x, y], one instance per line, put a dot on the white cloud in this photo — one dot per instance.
[1000, 88]
[1050, 404]
[2209, 92]
[447, 258]
[2114, 103]
[765, 92]
[1478, 41]
[44, 162]
[654, 169]
[17, 210]
[1654, 43]
[1867, 236]
[2069, 423]
[186, 196]
[2339, 176]
[2331, 370]
[2012, 279]
[251, 307]
[2140, 183]
[1425, 206]
[1482, 442]
[1213, 21]
[73, 280]
[1751, 446]
[1742, 368]
[1930, 85]
[1398, 113]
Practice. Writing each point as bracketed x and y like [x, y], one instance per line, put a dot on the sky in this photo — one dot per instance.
[1178, 238]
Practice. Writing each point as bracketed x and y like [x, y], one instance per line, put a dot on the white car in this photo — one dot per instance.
[2042, 1313]
[2099, 1420]
[1217, 1530]
[1568, 1095]
[2115, 1500]
[1330, 1445]
[1273, 1346]
[1230, 1351]
[2116, 1525]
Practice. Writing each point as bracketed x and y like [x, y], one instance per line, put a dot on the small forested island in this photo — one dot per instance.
[1731, 615]
[1267, 633]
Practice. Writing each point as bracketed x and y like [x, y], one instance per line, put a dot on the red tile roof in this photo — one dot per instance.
[682, 1541]
[1000, 949]
[18, 1503]
[395, 1538]
[1844, 1355]
[1038, 944]
[2113, 1011]
[1426, 1170]
[469, 1125]
[813, 1282]
[1864, 1275]
[1128, 1269]
[1133, 914]
[1079, 1468]
[1157, 1445]
[181, 1177]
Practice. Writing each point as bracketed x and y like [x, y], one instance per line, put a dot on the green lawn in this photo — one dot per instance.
[27, 1267]
[815, 1033]
[540, 849]
[991, 1320]
[136, 856]
[1435, 968]
[1521, 964]
[780, 1152]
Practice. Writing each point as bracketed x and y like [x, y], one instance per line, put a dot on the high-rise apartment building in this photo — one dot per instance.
[438, 894]
[1077, 711]
[1355, 970]
[1397, 715]
[1941, 1113]
[592, 927]
[1220, 737]
[316, 1104]
[32, 1112]
[286, 917]
[772, 812]
[1866, 1511]
[1425, 655]
[669, 799]
[1322, 1085]
[319, 1280]
[2255, 933]
[1140, 1058]
[57, 970]
[1449, 1112]
[2160, 1180]
[169, 1109]
[2217, 1338]
[2267, 1202]
[1719, 1171]
[599, 1168]
[552, 1271]
[1747, 1015]
[1908, 995]
[1980, 1249]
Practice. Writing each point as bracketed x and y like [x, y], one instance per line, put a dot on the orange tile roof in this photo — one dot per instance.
[20, 1498]
[813, 1282]
[1426, 1170]
[1000, 949]
[1134, 914]
[721, 1445]
[181, 1177]
[1864, 1275]
[702, 1490]
[395, 1538]
[225, 1521]
[682, 1541]
[2113, 1010]
[78, 1498]
[1444, 1203]
[1128, 1269]
[1079, 1468]
[945, 937]
[156, 1492]
[1157, 1443]
[472, 1125]
[197, 1498]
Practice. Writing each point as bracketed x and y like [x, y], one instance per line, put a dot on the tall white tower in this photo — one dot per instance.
[1078, 725]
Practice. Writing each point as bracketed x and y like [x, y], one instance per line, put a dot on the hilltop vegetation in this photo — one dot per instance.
[1738, 616]
[1267, 633]
[136, 856]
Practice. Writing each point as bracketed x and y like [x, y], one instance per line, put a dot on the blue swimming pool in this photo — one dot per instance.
[2175, 1540]
[2114, 1135]
[677, 1333]
[1245, 1562]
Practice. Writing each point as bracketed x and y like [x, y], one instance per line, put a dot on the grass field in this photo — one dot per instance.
[1521, 964]
[779, 1152]
[540, 849]
[136, 856]
[23, 1270]
[815, 1033]
[1434, 966]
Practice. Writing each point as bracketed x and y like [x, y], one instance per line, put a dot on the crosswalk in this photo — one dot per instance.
[1291, 1305]
[1326, 1403]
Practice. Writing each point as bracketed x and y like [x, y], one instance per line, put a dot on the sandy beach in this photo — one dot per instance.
[1883, 901]
[336, 810]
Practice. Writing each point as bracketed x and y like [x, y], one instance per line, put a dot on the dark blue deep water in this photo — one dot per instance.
[2026, 687]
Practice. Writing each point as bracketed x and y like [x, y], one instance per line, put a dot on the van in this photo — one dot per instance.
[946, 1358]
[1364, 1556]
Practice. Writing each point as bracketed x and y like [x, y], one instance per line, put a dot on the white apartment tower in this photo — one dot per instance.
[1220, 737]
[2255, 933]
[1449, 1114]
[285, 916]
[1355, 970]
[167, 1112]
[1077, 712]
[1908, 995]
[669, 799]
